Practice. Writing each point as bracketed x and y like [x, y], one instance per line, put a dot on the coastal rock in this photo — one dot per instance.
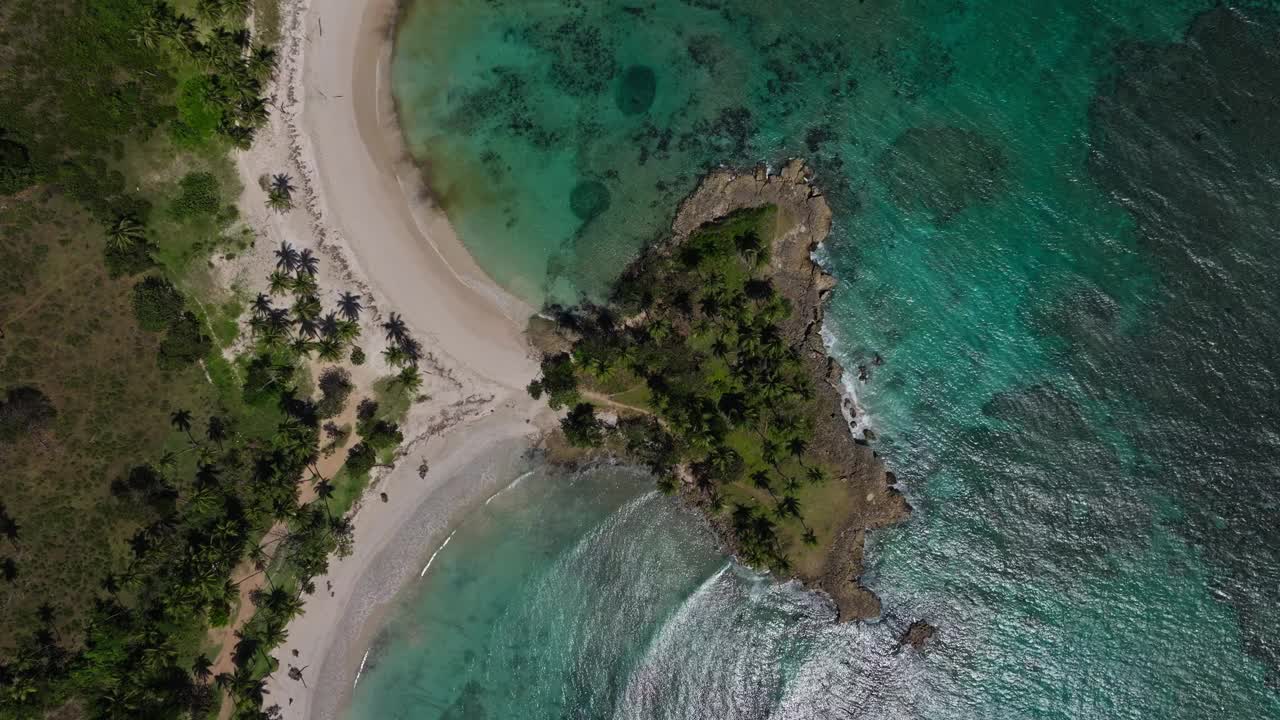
[804, 223]
[916, 635]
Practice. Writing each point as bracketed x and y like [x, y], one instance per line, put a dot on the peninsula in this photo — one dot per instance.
[708, 366]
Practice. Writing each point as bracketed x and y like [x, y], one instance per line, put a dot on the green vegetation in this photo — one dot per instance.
[122, 519]
[706, 387]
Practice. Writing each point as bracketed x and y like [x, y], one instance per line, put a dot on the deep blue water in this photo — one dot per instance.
[1057, 224]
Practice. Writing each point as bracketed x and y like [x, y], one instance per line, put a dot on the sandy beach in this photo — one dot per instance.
[334, 131]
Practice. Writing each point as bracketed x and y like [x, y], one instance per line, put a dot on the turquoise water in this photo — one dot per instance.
[1055, 221]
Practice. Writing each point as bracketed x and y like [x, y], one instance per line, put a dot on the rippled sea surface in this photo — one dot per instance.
[1057, 222]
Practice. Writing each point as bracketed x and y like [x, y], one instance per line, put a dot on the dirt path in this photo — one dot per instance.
[247, 576]
[608, 401]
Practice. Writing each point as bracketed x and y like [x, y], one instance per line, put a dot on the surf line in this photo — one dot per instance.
[513, 484]
[361, 670]
[434, 554]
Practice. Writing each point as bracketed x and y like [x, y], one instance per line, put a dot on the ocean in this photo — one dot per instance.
[1056, 224]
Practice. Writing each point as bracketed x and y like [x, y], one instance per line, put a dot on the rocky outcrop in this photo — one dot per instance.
[916, 635]
[805, 222]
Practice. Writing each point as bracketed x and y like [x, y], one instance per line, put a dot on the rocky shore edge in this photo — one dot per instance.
[805, 218]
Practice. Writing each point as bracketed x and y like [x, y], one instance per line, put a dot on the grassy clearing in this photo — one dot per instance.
[70, 331]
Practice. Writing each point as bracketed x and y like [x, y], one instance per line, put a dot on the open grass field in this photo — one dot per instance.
[69, 330]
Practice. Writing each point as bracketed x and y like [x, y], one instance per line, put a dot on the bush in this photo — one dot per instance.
[184, 343]
[198, 115]
[23, 410]
[581, 427]
[357, 356]
[382, 435]
[199, 196]
[367, 410]
[558, 382]
[156, 303]
[15, 166]
[131, 260]
[335, 387]
[360, 459]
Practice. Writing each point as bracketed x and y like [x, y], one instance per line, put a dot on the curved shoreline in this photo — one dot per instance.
[364, 211]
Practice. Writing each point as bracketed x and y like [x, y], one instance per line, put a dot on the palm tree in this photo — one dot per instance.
[810, 537]
[149, 32]
[769, 450]
[329, 349]
[719, 347]
[125, 232]
[283, 184]
[278, 201]
[216, 430]
[279, 283]
[282, 603]
[201, 668]
[279, 321]
[183, 32]
[796, 446]
[394, 355]
[815, 474]
[262, 63]
[412, 350]
[760, 478]
[236, 9]
[307, 262]
[349, 306]
[329, 325]
[286, 257]
[261, 305]
[210, 10]
[181, 421]
[307, 328]
[253, 112]
[306, 306]
[324, 491]
[397, 331]
[304, 284]
[303, 346]
[789, 506]
[411, 378]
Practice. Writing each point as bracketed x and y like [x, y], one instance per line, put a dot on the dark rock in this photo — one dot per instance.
[916, 635]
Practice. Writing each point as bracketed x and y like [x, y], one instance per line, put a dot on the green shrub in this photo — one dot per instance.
[198, 115]
[558, 382]
[156, 303]
[130, 260]
[335, 387]
[184, 343]
[22, 410]
[382, 435]
[360, 459]
[199, 195]
[581, 427]
[357, 356]
[16, 172]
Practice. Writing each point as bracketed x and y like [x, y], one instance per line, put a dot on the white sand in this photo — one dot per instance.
[333, 131]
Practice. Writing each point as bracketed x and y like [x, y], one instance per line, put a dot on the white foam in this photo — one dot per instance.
[855, 416]
[363, 660]
[434, 554]
[513, 484]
